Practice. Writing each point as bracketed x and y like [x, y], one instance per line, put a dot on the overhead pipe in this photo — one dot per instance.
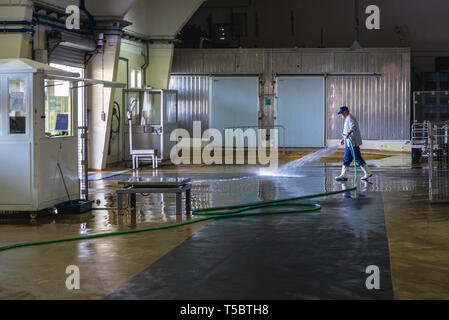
[357, 20]
[20, 22]
[216, 74]
[82, 7]
[17, 30]
[38, 18]
[330, 74]
[49, 18]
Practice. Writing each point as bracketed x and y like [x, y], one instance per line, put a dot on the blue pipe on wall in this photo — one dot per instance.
[21, 22]
[39, 16]
[17, 30]
[59, 27]
[91, 18]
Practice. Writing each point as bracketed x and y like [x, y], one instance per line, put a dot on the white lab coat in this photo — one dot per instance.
[352, 124]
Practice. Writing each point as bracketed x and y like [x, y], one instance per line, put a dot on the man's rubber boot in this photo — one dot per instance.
[343, 176]
[366, 171]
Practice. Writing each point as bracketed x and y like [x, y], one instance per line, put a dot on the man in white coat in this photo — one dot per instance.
[351, 133]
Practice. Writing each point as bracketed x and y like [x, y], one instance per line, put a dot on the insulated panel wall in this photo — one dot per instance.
[382, 103]
[234, 102]
[193, 100]
[300, 110]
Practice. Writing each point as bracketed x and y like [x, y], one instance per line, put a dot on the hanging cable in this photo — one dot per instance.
[117, 115]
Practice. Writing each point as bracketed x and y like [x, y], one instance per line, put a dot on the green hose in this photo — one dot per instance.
[215, 213]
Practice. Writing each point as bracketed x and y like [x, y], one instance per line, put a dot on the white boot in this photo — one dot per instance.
[343, 176]
[366, 171]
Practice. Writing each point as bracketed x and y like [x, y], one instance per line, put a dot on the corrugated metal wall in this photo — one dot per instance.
[381, 103]
[193, 100]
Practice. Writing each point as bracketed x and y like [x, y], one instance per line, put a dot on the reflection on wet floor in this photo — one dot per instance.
[219, 188]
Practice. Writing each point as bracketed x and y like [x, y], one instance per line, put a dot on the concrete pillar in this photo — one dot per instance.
[160, 62]
[15, 44]
[160, 21]
[103, 66]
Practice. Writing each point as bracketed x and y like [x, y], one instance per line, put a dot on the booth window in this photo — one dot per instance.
[151, 110]
[133, 78]
[17, 106]
[136, 79]
[171, 107]
[58, 109]
[139, 79]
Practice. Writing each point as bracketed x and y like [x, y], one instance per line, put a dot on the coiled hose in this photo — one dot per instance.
[212, 213]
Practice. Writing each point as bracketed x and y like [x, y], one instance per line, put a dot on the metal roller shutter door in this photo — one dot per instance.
[68, 56]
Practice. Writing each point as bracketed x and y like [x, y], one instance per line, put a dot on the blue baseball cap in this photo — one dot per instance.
[344, 108]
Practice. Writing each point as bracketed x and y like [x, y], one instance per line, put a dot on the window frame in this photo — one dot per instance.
[6, 130]
[73, 125]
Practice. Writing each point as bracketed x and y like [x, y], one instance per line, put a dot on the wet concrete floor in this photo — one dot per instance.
[390, 223]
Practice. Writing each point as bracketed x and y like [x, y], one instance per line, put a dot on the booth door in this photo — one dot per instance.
[300, 109]
[234, 102]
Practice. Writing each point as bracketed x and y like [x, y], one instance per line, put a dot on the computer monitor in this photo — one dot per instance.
[62, 122]
[17, 125]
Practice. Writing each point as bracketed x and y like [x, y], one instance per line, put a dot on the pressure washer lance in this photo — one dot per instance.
[63, 181]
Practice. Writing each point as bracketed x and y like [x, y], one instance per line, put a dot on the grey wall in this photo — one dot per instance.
[382, 103]
[421, 24]
[193, 100]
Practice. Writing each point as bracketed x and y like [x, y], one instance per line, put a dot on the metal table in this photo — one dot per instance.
[136, 185]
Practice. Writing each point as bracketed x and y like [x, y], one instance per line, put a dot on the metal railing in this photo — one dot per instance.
[83, 167]
[430, 106]
[419, 133]
[419, 142]
[265, 127]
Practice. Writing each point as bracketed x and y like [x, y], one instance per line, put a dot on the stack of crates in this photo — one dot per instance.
[438, 133]
[433, 100]
[429, 105]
